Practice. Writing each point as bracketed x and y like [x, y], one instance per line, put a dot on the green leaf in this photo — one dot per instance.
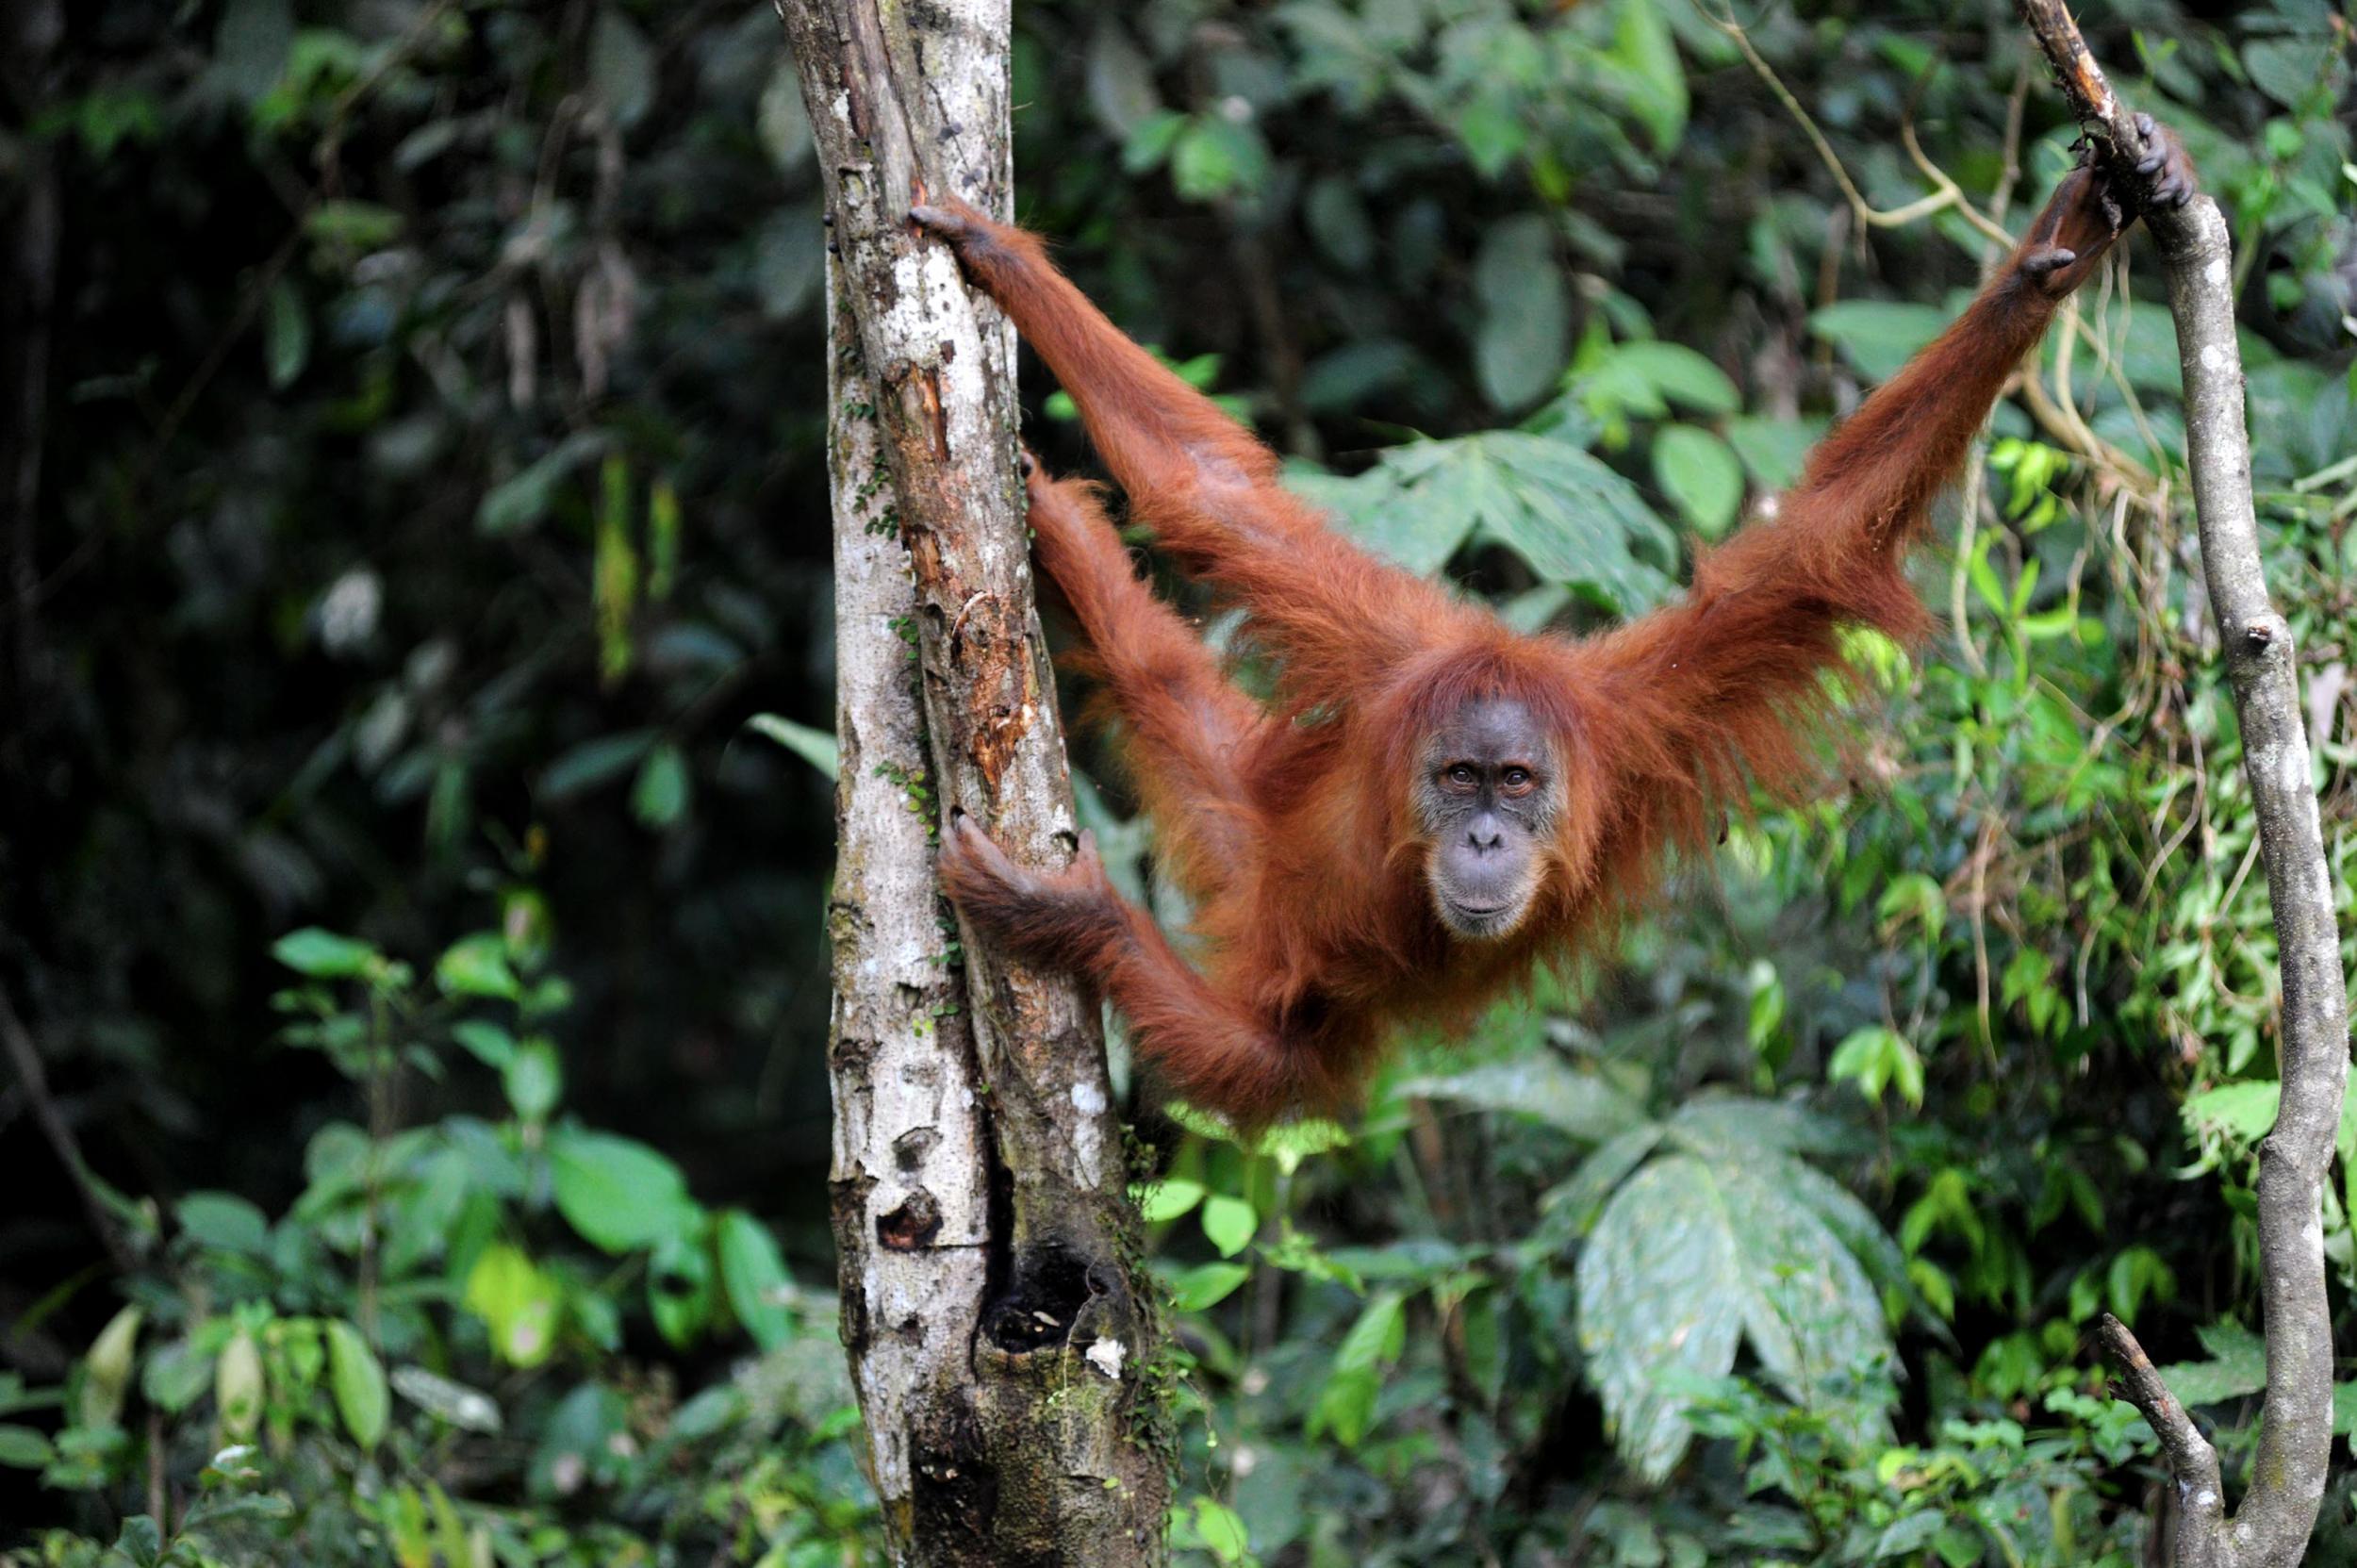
[287, 337]
[533, 1080]
[517, 1302]
[1560, 507]
[1811, 1315]
[659, 800]
[1230, 1223]
[467, 1409]
[1206, 1285]
[322, 954]
[1574, 1205]
[238, 1386]
[1541, 1085]
[679, 1284]
[24, 1448]
[358, 1382]
[1774, 451]
[2237, 1369]
[1120, 80]
[593, 762]
[1214, 155]
[2289, 70]
[1873, 1057]
[1524, 333]
[353, 225]
[1219, 1529]
[176, 1375]
[224, 1222]
[1878, 336]
[620, 1195]
[815, 747]
[1679, 375]
[1654, 82]
[250, 46]
[489, 1043]
[755, 1276]
[1168, 1199]
[621, 67]
[1700, 473]
[1661, 1295]
[524, 499]
[1377, 1339]
[2242, 1112]
[477, 967]
[1714, 1124]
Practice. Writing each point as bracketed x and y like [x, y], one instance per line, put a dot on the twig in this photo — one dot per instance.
[25, 1057]
[2279, 1513]
[1868, 215]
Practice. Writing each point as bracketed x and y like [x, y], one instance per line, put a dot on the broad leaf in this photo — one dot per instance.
[1700, 472]
[815, 747]
[618, 1194]
[1558, 507]
[2237, 1367]
[1542, 1085]
[752, 1273]
[322, 954]
[359, 1381]
[1878, 336]
[1662, 1296]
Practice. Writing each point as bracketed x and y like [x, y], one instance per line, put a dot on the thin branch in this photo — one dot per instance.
[1868, 215]
[25, 1057]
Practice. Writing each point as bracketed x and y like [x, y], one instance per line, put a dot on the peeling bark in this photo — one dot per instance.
[2287, 1478]
[996, 1318]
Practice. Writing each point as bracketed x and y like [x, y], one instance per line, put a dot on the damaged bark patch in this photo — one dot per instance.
[955, 1497]
[913, 1225]
[910, 1149]
[1050, 1283]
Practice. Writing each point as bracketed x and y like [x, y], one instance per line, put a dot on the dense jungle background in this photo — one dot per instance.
[414, 831]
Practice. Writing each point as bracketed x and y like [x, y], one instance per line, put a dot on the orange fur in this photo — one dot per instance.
[1290, 827]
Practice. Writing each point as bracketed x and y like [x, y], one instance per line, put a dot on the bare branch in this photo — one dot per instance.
[25, 1057]
[2279, 1513]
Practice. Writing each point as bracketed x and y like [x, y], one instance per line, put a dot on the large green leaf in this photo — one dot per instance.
[618, 1194]
[2237, 1367]
[1525, 331]
[1878, 336]
[1388, 515]
[1661, 1305]
[1572, 1208]
[1812, 1317]
[1715, 1125]
[1558, 507]
[753, 1274]
[1700, 473]
[1696, 1254]
[1541, 1085]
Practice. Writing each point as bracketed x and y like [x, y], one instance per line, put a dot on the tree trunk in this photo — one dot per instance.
[994, 1309]
[2278, 1515]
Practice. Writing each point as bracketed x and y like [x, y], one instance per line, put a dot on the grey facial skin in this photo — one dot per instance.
[1485, 798]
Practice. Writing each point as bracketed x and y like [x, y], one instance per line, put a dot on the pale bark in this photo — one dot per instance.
[996, 1322]
[2279, 1513]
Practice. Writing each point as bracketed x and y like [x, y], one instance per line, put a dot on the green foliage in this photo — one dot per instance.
[430, 1262]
